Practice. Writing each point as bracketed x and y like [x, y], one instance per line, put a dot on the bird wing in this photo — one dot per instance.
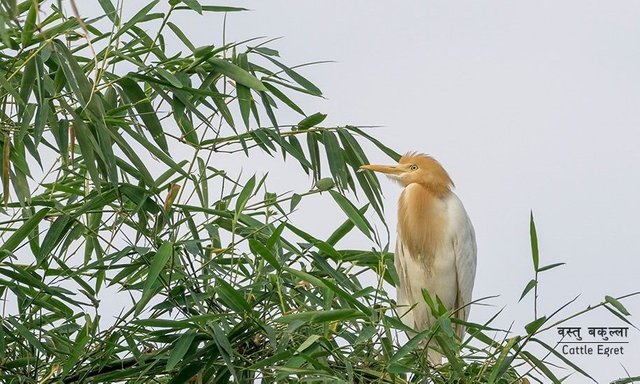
[464, 248]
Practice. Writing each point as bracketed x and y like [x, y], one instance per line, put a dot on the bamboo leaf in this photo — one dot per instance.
[21, 233]
[617, 305]
[352, 213]
[321, 316]
[530, 285]
[534, 243]
[180, 349]
[145, 110]
[311, 120]
[236, 73]
[156, 266]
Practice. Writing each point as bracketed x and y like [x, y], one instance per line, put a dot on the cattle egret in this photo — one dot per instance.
[436, 245]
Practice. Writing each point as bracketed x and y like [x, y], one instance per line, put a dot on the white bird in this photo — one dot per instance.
[436, 245]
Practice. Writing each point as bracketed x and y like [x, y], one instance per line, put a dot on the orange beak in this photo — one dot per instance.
[387, 169]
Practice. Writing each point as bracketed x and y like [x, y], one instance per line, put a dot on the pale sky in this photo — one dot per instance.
[528, 105]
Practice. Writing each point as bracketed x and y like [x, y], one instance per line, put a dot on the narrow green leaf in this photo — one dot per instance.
[26, 335]
[343, 229]
[534, 242]
[295, 200]
[138, 17]
[312, 120]
[19, 235]
[533, 326]
[295, 76]
[88, 146]
[54, 235]
[78, 348]
[409, 346]
[29, 25]
[541, 366]
[284, 98]
[231, 297]
[617, 305]
[158, 263]
[180, 348]
[193, 4]
[528, 288]
[243, 93]
[245, 194]
[321, 316]
[307, 343]
[335, 158]
[352, 213]
[550, 266]
[110, 11]
[259, 249]
[178, 32]
[563, 358]
[146, 112]
[388, 151]
[236, 73]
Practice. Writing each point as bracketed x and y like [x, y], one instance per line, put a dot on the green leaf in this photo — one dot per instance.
[193, 4]
[321, 316]
[409, 346]
[137, 18]
[109, 11]
[56, 232]
[78, 348]
[295, 200]
[29, 25]
[146, 112]
[335, 158]
[352, 213]
[236, 73]
[541, 366]
[550, 266]
[617, 305]
[533, 326]
[88, 146]
[528, 288]
[21, 233]
[259, 249]
[180, 348]
[307, 343]
[325, 184]
[231, 297]
[563, 358]
[311, 121]
[284, 98]
[158, 263]
[178, 32]
[243, 93]
[245, 194]
[534, 242]
[388, 151]
[295, 76]
[26, 335]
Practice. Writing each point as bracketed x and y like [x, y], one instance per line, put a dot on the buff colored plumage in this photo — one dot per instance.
[436, 246]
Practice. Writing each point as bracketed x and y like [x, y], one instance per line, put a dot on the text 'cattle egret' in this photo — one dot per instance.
[436, 245]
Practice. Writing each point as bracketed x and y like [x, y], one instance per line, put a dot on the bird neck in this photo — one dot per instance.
[422, 220]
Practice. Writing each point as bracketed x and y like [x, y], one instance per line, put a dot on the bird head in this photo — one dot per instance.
[416, 168]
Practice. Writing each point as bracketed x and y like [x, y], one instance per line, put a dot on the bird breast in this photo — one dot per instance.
[422, 223]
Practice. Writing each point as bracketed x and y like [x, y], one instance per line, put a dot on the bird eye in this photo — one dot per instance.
[413, 167]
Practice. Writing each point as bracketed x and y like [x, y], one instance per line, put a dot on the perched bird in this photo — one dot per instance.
[436, 245]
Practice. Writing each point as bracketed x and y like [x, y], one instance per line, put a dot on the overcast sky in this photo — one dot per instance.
[528, 105]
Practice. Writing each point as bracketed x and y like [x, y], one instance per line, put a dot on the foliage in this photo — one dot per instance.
[117, 183]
